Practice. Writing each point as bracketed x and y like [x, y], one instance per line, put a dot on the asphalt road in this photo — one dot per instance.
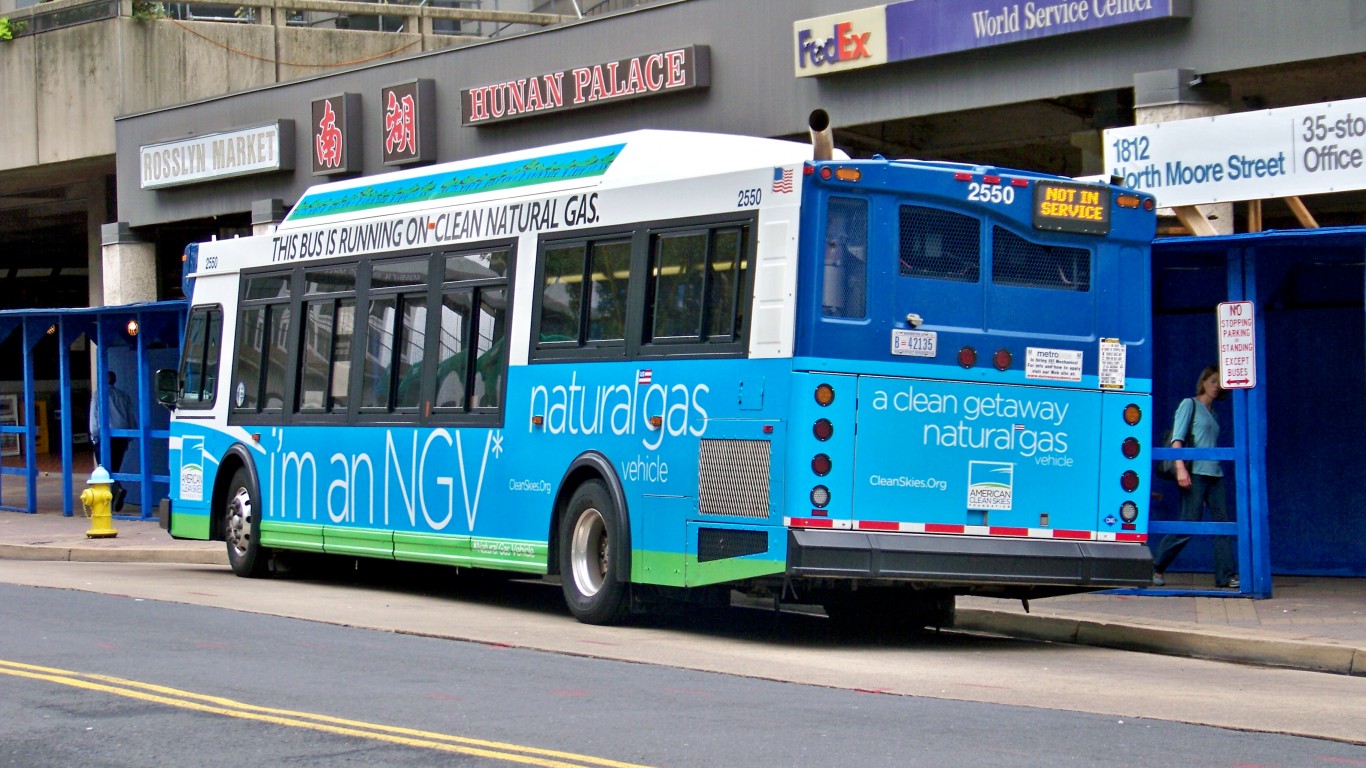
[793, 692]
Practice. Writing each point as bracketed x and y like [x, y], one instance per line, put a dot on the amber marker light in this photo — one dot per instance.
[825, 394]
[848, 174]
[656, 422]
[1132, 414]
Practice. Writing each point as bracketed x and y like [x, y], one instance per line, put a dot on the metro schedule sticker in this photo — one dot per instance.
[1053, 364]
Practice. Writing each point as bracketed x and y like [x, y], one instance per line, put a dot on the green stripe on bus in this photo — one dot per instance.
[673, 569]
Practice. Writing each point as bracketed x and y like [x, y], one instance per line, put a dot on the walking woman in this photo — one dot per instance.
[1202, 482]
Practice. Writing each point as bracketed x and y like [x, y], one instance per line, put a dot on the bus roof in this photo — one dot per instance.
[635, 157]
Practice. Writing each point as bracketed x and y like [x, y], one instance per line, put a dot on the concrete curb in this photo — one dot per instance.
[1295, 654]
[88, 555]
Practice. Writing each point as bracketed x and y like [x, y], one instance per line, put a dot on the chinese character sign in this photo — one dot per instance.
[329, 142]
[408, 132]
[399, 118]
[335, 126]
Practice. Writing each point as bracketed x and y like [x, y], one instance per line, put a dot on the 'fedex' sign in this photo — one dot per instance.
[843, 41]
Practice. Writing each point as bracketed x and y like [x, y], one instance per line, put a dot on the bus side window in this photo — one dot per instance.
[199, 367]
[473, 324]
[262, 343]
[846, 258]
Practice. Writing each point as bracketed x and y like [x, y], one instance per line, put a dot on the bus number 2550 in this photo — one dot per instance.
[991, 193]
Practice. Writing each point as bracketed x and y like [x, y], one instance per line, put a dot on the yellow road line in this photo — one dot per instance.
[216, 705]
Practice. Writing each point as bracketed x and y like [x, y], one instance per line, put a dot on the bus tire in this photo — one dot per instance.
[241, 527]
[590, 561]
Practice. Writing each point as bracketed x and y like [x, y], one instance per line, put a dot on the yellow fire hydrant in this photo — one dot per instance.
[96, 500]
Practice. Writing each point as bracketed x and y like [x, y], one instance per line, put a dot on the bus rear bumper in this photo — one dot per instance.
[949, 560]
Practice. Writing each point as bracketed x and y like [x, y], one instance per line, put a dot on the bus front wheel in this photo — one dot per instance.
[590, 560]
[241, 527]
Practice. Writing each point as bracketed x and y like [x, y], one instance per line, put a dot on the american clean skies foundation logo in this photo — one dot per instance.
[991, 485]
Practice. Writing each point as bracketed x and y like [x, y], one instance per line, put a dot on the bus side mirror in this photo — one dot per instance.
[168, 387]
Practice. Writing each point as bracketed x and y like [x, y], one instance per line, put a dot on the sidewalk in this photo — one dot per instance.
[1310, 623]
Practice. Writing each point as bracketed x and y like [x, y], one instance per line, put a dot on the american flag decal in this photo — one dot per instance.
[643, 376]
[782, 180]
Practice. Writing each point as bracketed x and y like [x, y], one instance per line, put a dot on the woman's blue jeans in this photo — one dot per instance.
[1205, 491]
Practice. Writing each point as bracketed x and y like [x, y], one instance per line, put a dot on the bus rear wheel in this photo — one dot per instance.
[590, 560]
[241, 527]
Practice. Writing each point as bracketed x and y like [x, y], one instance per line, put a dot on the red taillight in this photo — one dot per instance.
[820, 464]
[967, 357]
[991, 179]
[1131, 447]
[962, 176]
[1148, 204]
[826, 172]
[1129, 481]
[1019, 182]
[1001, 359]
[823, 429]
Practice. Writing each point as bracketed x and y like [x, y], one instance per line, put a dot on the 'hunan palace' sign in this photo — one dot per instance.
[651, 74]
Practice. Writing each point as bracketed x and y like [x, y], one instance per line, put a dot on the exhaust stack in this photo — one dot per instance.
[822, 137]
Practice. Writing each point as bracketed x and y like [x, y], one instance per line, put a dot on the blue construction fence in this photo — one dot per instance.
[132, 341]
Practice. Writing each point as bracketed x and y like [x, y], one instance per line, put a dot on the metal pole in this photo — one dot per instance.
[1259, 514]
[64, 386]
[30, 418]
[144, 423]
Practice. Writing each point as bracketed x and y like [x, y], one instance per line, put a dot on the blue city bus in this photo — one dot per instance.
[668, 365]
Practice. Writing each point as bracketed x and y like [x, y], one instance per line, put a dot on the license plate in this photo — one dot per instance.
[915, 343]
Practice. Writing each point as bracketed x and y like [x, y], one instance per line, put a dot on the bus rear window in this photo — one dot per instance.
[940, 245]
[1017, 261]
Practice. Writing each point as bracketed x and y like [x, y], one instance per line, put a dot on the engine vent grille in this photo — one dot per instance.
[733, 477]
[722, 544]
